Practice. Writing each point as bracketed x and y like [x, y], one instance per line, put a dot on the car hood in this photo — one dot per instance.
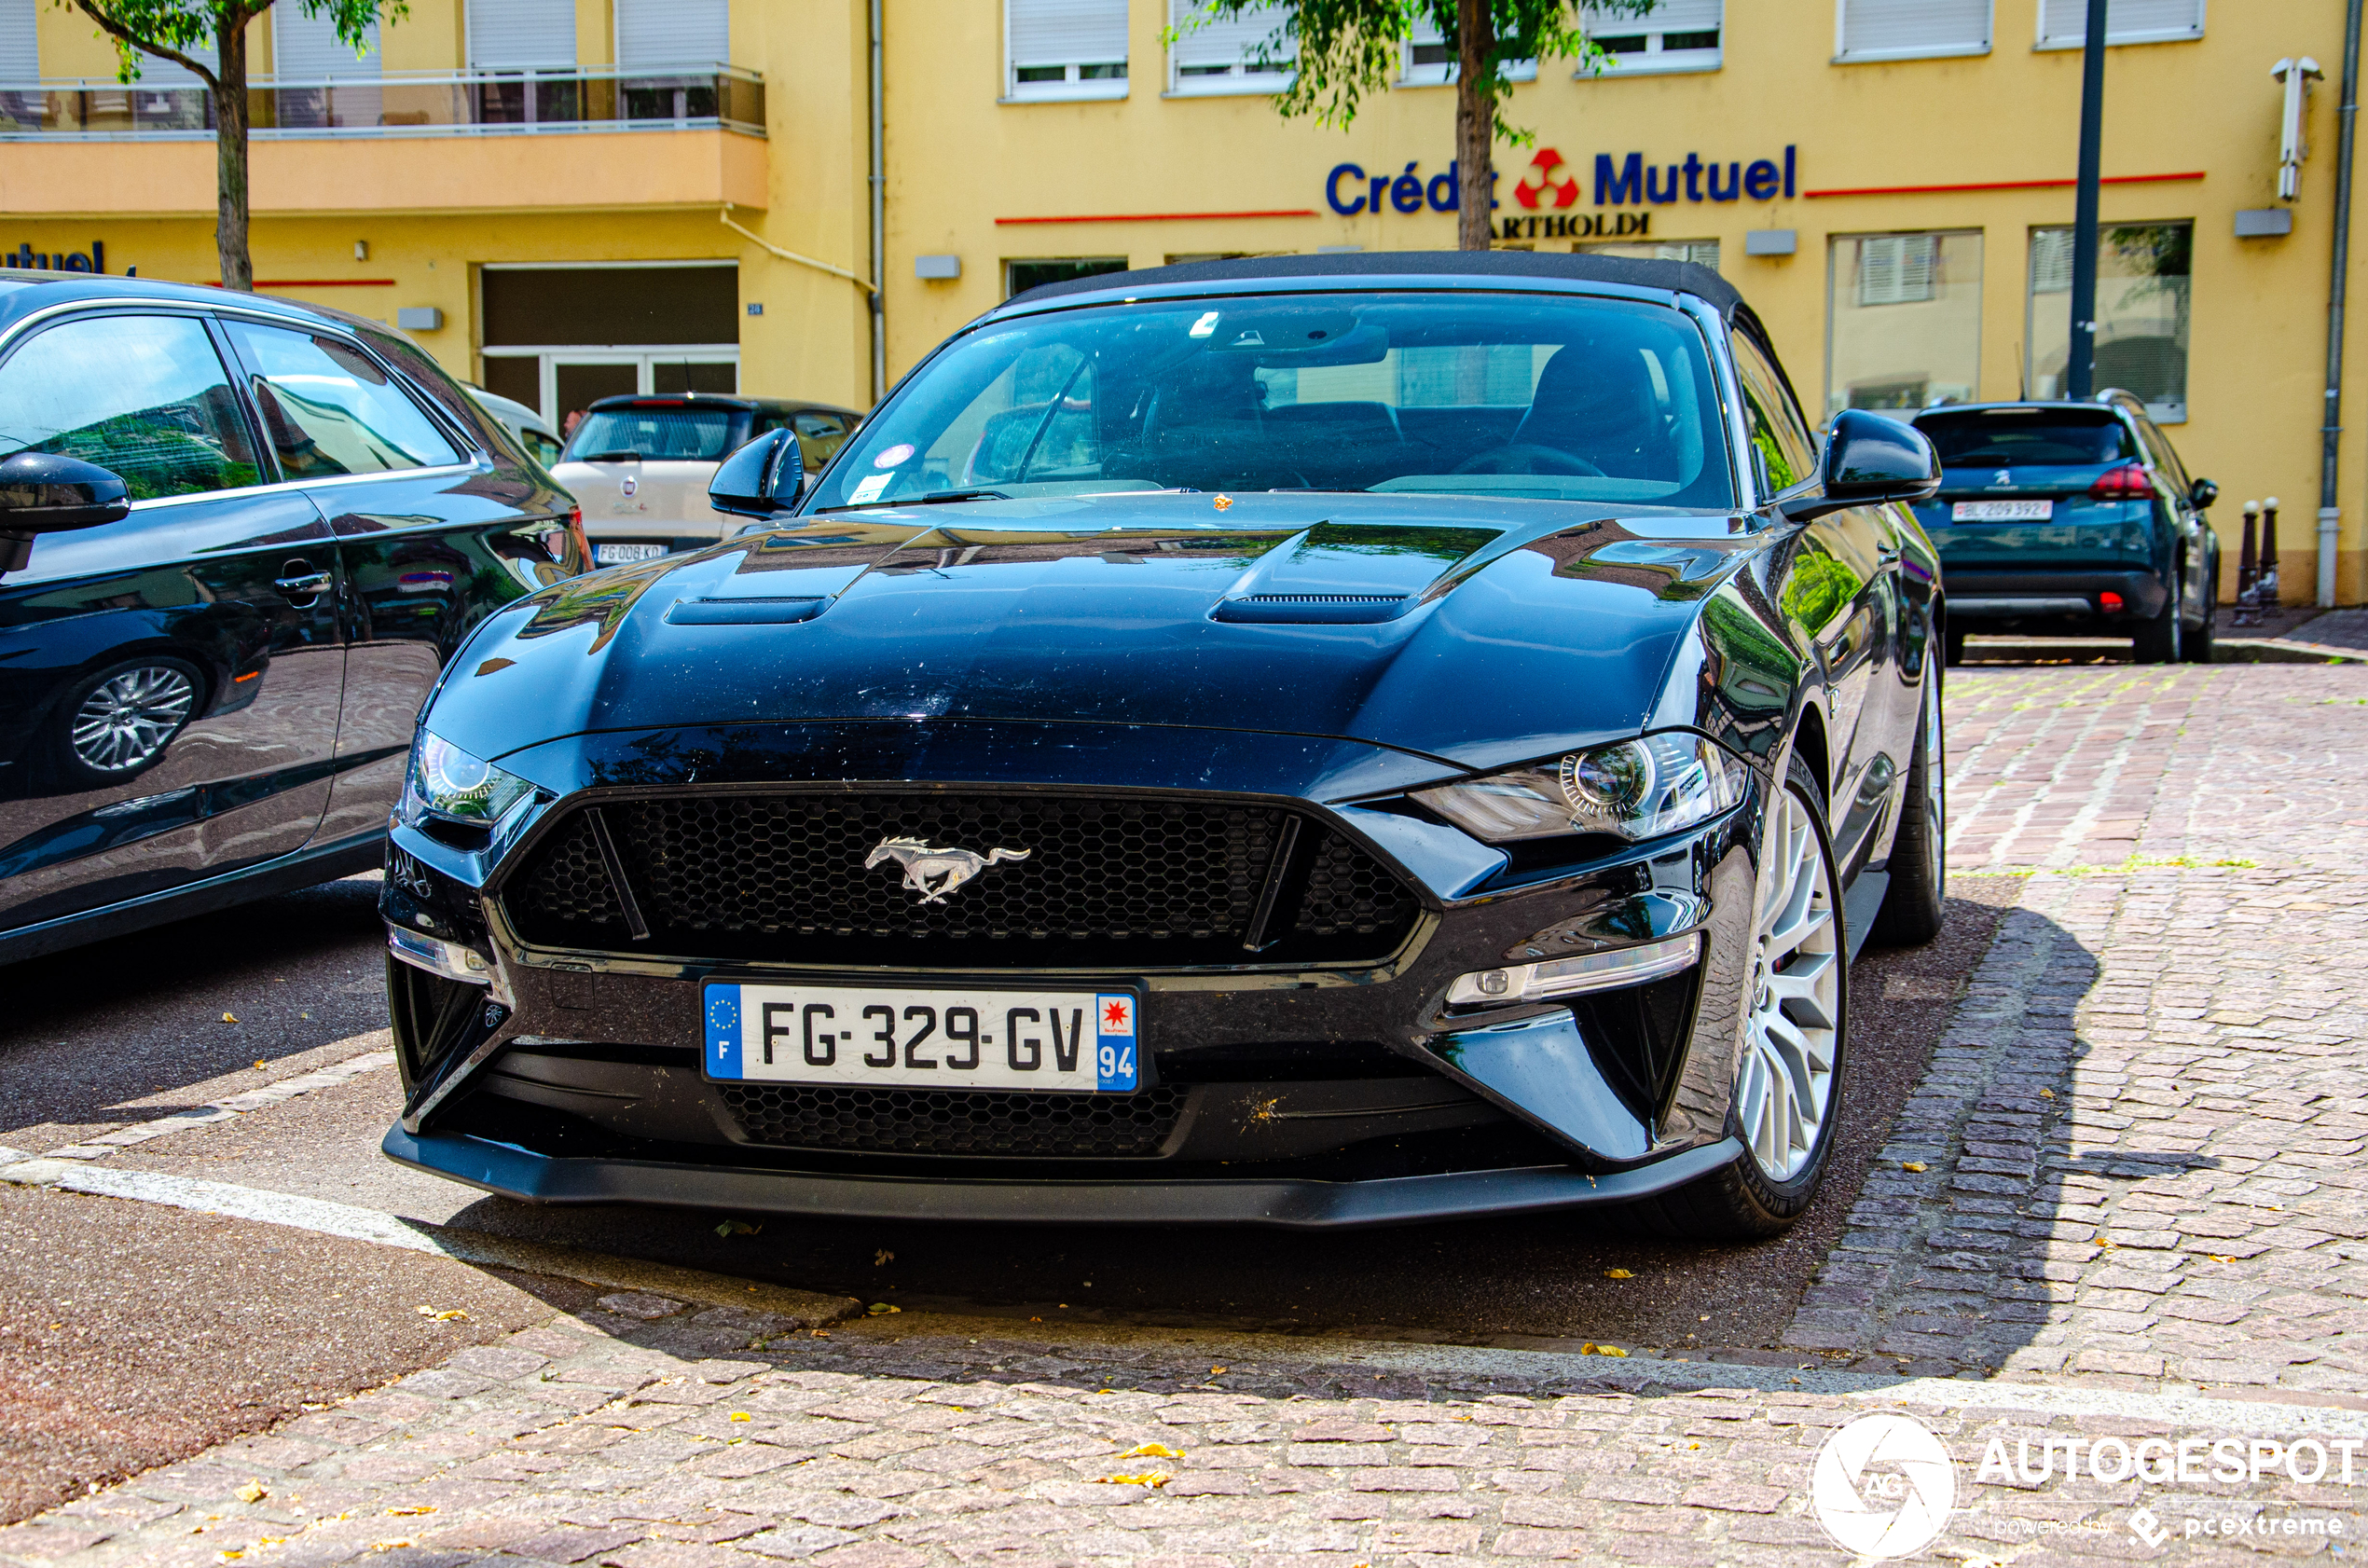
[1476, 632]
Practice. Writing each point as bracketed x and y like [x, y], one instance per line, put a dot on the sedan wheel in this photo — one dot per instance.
[1785, 1089]
[124, 720]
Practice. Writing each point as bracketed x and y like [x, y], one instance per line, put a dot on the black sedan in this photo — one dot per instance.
[1310, 741]
[238, 539]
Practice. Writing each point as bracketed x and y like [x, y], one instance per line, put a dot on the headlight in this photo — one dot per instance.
[1633, 790]
[446, 781]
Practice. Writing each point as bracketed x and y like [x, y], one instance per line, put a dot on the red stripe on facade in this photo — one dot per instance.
[2003, 184]
[1167, 217]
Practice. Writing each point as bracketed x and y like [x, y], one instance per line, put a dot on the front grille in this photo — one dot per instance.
[1117, 882]
[974, 1122]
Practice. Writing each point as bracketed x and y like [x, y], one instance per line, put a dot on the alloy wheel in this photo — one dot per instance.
[1785, 1089]
[127, 718]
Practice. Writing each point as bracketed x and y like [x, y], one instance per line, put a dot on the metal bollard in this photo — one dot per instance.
[2266, 586]
[2248, 566]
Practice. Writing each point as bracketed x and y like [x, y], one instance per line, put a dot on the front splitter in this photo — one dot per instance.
[1298, 1205]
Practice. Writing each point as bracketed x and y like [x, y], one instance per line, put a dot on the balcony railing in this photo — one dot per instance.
[425, 103]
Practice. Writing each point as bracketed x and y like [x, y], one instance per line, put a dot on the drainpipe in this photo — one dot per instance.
[879, 209]
[2330, 511]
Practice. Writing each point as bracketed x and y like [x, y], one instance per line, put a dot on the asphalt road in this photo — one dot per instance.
[126, 1030]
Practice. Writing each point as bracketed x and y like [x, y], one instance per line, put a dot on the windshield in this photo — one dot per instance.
[678, 434]
[2027, 438]
[1511, 395]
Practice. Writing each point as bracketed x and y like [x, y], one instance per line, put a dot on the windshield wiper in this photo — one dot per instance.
[935, 498]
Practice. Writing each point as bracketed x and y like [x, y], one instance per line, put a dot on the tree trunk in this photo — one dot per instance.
[1474, 123]
[230, 152]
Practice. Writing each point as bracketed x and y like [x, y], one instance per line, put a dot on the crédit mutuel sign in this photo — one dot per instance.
[1550, 185]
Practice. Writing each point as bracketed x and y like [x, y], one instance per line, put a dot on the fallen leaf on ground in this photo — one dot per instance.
[1213, 1370]
[1035, 1320]
[882, 1259]
[1148, 1477]
[1915, 1165]
[731, 1228]
[739, 1415]
[1617, 1274]
[1591, 1348]
[410, 1511]
[251, 1492]
[820, 1333]
[394, 1544]
[259, 1064]
[2218, 1258]
[881, 1309]
[1151, 1451]
[448, 1316]
[2046, 1093]
[227, 1019]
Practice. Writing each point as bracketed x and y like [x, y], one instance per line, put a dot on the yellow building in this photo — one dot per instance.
[566, 198]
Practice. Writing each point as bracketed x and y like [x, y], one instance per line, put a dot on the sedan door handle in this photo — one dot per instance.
[302, 581]
[1886, 555]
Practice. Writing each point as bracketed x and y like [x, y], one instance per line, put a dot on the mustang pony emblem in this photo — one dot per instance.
[935, 872]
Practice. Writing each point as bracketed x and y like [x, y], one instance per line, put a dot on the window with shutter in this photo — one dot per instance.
[1910, 29]
[1674, 36]
[2063, 24]
[1896, 268]
[1059, 50]
[521, 34]
[20, 48]
[1429, 63]
[338, 87]
[1222, 55]
[653, 34]
[1903, 319]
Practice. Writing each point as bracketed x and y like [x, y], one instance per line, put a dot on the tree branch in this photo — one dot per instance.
[122, 34]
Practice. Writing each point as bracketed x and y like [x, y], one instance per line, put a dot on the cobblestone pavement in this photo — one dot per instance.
[2123, 1205]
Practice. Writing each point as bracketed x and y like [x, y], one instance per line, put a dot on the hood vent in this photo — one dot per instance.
[1316, 610]
[741, 612]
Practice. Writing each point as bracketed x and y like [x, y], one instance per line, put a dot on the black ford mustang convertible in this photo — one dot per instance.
[1313, 741]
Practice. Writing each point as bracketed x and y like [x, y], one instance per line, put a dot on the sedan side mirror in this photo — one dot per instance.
[2201, 494]
[1869, 461]
[762, 479]
[47, 492]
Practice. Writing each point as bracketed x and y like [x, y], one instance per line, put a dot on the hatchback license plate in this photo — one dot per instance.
[2001, 511]
[618, 555]
[977, 1037]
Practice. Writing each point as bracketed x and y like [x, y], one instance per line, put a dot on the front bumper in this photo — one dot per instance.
[1289, 1204]
[1332, 1095]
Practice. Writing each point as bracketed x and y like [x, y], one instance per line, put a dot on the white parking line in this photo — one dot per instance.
[226, 1109]
[320, 1216]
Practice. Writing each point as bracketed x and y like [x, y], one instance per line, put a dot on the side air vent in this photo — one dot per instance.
[1316, 610]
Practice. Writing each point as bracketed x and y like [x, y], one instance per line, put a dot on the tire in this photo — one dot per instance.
[1744, 1201]
[118, 722]
[2158, 641]
[1916, 904]
[2196, 646]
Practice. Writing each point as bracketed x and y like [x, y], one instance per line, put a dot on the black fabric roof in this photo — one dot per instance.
[1683, 277]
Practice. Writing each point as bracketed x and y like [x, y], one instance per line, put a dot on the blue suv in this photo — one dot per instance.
[2072, 519]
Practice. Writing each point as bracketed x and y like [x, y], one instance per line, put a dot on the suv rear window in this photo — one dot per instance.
[2028, 438]
[680, 434]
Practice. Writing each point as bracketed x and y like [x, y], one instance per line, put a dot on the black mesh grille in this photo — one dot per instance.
[956, 1121]
[1123, 882]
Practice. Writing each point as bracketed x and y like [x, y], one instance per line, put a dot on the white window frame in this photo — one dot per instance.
[1073, 87]
[1443, 73]
[1843, 56]
[1656, 59]
[2115, 35]
[1240, 78]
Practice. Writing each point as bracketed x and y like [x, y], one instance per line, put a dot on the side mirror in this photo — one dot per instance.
[45, 493]
[1869, 461]
[762, 479]
[2201, 494]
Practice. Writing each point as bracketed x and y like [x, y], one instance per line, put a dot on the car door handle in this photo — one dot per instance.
[302, 581]
[1887, 555]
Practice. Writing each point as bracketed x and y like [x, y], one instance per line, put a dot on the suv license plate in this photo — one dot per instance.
[2001, 511]
[974, 1037]
[618, 555]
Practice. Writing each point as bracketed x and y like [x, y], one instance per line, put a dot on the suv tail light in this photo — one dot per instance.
[2126, 482]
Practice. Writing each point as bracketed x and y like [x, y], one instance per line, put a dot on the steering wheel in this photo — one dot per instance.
[1527, 456]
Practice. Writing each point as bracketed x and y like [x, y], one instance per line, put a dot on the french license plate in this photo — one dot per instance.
[2001, 511]
[951, 1037]
[618, 555]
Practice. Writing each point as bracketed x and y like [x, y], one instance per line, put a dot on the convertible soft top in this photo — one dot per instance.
[1679, 277]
